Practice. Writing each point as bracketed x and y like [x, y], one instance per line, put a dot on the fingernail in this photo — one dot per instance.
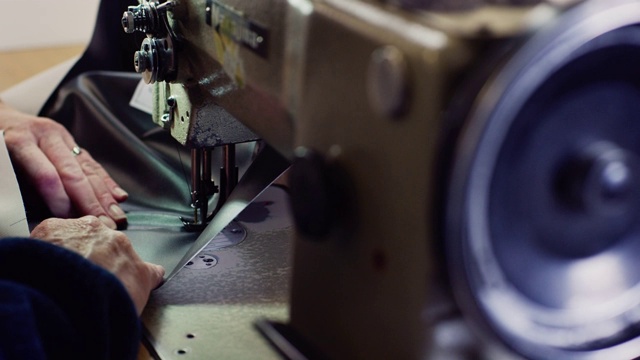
[107, 221]
[160, 270]
[119, 192]
[116, 212]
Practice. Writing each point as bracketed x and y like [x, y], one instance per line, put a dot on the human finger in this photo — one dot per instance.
[76, 184]
[149, 276]
[140, 289]
[109, 249]
[117, 192]
[96, 176]
[157, 274]
[137, 276]
[87, 197]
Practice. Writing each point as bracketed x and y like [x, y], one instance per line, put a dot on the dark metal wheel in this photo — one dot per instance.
[543, 218]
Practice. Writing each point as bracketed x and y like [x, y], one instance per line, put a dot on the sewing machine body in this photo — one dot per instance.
[264, 87]
[364, 296]
[368, 97]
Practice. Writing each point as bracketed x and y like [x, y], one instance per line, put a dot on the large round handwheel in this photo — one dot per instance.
[543, 218]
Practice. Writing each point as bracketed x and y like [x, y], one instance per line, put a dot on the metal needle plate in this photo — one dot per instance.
[266, 168]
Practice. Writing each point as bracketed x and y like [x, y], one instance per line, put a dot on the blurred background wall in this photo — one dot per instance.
[38, 34]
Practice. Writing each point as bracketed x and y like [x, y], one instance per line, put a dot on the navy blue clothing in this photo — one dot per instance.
[54, 304]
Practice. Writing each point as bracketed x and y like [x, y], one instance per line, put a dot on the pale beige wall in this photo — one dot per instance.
[27, 24]
[38, 34]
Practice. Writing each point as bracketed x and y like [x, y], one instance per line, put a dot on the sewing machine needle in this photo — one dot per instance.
[263, 171]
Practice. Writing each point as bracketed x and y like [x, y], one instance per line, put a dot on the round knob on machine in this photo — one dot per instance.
[603, 179]
[155, 60]
[128, 21]
[142, 61]
[143, 17]
[320, 195]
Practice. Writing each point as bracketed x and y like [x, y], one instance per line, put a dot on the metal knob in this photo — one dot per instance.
[142, 61]
[146, 17]
[140, 18]
[155, 60]
[322, 196]
[604, 180]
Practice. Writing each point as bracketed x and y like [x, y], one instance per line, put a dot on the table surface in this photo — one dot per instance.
[16, 66]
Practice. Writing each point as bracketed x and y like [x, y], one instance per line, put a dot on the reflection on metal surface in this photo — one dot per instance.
[265, 168]
[211, 313]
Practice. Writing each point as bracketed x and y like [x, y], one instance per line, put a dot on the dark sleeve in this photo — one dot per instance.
[54, 304]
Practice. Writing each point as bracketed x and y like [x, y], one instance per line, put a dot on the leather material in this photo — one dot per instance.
[142, 157]
[110, 48]
[92, 102]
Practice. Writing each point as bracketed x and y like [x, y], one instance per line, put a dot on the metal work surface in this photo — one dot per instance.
[266, 167]
[209, 312]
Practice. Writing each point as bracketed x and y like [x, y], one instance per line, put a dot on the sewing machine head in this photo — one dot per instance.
[467, 161]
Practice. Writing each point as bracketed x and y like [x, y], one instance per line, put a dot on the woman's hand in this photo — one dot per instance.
[107, 248]
[71, 182]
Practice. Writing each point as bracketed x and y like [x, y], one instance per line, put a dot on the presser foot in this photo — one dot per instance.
[190, 225]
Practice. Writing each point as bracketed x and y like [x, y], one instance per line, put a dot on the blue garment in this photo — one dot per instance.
[54, 304]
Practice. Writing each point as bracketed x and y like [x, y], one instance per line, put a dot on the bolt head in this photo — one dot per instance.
[128, 22]
[140, 61]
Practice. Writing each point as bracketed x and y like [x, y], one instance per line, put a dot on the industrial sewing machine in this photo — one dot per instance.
[456, 164]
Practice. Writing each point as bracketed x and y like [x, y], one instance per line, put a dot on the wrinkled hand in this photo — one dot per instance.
[70, 185]
[107, 248]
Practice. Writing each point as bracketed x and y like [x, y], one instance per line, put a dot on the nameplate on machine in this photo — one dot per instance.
[237, 27]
